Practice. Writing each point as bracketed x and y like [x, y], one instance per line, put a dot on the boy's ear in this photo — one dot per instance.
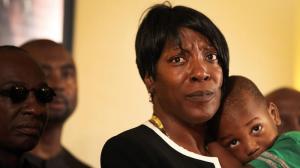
[149, 82]
[274, 113]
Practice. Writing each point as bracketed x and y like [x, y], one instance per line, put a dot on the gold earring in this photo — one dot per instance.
[150, 97]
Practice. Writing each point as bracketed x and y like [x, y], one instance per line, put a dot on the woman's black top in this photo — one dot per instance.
[147, 147]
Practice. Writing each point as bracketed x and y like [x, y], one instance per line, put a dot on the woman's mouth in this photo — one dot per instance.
[200, 96]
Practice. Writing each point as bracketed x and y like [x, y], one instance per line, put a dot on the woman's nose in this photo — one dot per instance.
[199, 71]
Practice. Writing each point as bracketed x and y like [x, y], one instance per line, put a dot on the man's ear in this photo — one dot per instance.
[274, 113]
[149, 82]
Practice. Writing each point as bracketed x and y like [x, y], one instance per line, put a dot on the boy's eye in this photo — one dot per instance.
[256, 129]
[234, 143]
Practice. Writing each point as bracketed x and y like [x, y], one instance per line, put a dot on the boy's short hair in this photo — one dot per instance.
[236, 89]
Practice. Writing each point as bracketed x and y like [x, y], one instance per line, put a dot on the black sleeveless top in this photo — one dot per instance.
[143, 147]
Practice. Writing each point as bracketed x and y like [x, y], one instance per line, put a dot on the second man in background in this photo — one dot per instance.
[60, 72]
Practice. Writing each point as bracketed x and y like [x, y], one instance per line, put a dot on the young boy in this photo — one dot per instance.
[246, 130]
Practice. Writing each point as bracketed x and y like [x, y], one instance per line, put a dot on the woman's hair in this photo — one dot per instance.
[163, 23]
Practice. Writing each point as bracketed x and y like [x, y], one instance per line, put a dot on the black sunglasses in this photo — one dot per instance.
[19, 93]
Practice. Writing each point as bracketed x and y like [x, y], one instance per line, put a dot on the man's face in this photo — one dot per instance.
[249, 130]
[22, 122]
[289, 110]
[287, 101]
[60, 72]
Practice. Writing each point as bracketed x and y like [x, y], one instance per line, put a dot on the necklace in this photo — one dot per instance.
[157, 123]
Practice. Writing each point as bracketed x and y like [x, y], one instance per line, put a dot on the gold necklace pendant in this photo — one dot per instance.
[157, 123]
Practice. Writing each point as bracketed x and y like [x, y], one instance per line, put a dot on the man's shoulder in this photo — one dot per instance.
[63, 159]
[72, 160]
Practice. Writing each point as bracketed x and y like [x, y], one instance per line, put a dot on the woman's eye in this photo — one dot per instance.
[256, 129]
[177, 60]
[234, 143]
[211, 57]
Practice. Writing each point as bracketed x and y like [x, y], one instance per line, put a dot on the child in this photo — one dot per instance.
[246, 128]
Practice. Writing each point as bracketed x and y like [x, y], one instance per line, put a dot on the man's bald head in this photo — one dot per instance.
[288, 103]
[13, 56]
[42, 49]
[22, 119]
[60, 72]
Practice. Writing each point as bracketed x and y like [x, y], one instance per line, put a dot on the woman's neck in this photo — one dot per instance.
[187, 136]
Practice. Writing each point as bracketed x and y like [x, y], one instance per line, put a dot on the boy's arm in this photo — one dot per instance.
[226, 159]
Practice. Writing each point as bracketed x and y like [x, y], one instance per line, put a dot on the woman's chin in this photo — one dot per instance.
[200, 118]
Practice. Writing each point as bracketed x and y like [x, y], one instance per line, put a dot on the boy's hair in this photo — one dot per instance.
[235, 90]
[162, 23]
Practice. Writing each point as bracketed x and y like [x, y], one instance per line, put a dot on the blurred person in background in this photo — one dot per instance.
[60, 71]
[288, 103]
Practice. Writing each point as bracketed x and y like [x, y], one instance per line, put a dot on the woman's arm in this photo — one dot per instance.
[226, 159]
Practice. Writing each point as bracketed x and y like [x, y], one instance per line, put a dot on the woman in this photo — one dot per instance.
[183, 59]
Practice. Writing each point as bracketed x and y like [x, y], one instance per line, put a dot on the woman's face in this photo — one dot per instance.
[188, 79]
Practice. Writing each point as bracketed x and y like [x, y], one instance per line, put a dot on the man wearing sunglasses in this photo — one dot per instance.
[24, 95]
[60, 72]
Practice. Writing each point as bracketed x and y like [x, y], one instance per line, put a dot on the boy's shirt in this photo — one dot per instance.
[285, 153]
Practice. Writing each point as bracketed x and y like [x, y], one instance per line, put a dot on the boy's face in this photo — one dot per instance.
[247, 129]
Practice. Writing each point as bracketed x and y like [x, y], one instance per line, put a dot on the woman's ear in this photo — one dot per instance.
[274, 113]
[149, 82]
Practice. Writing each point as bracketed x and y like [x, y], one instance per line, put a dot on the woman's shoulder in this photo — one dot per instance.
[130, 138]
[143, 146]
[133, 134]
[130, 148]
